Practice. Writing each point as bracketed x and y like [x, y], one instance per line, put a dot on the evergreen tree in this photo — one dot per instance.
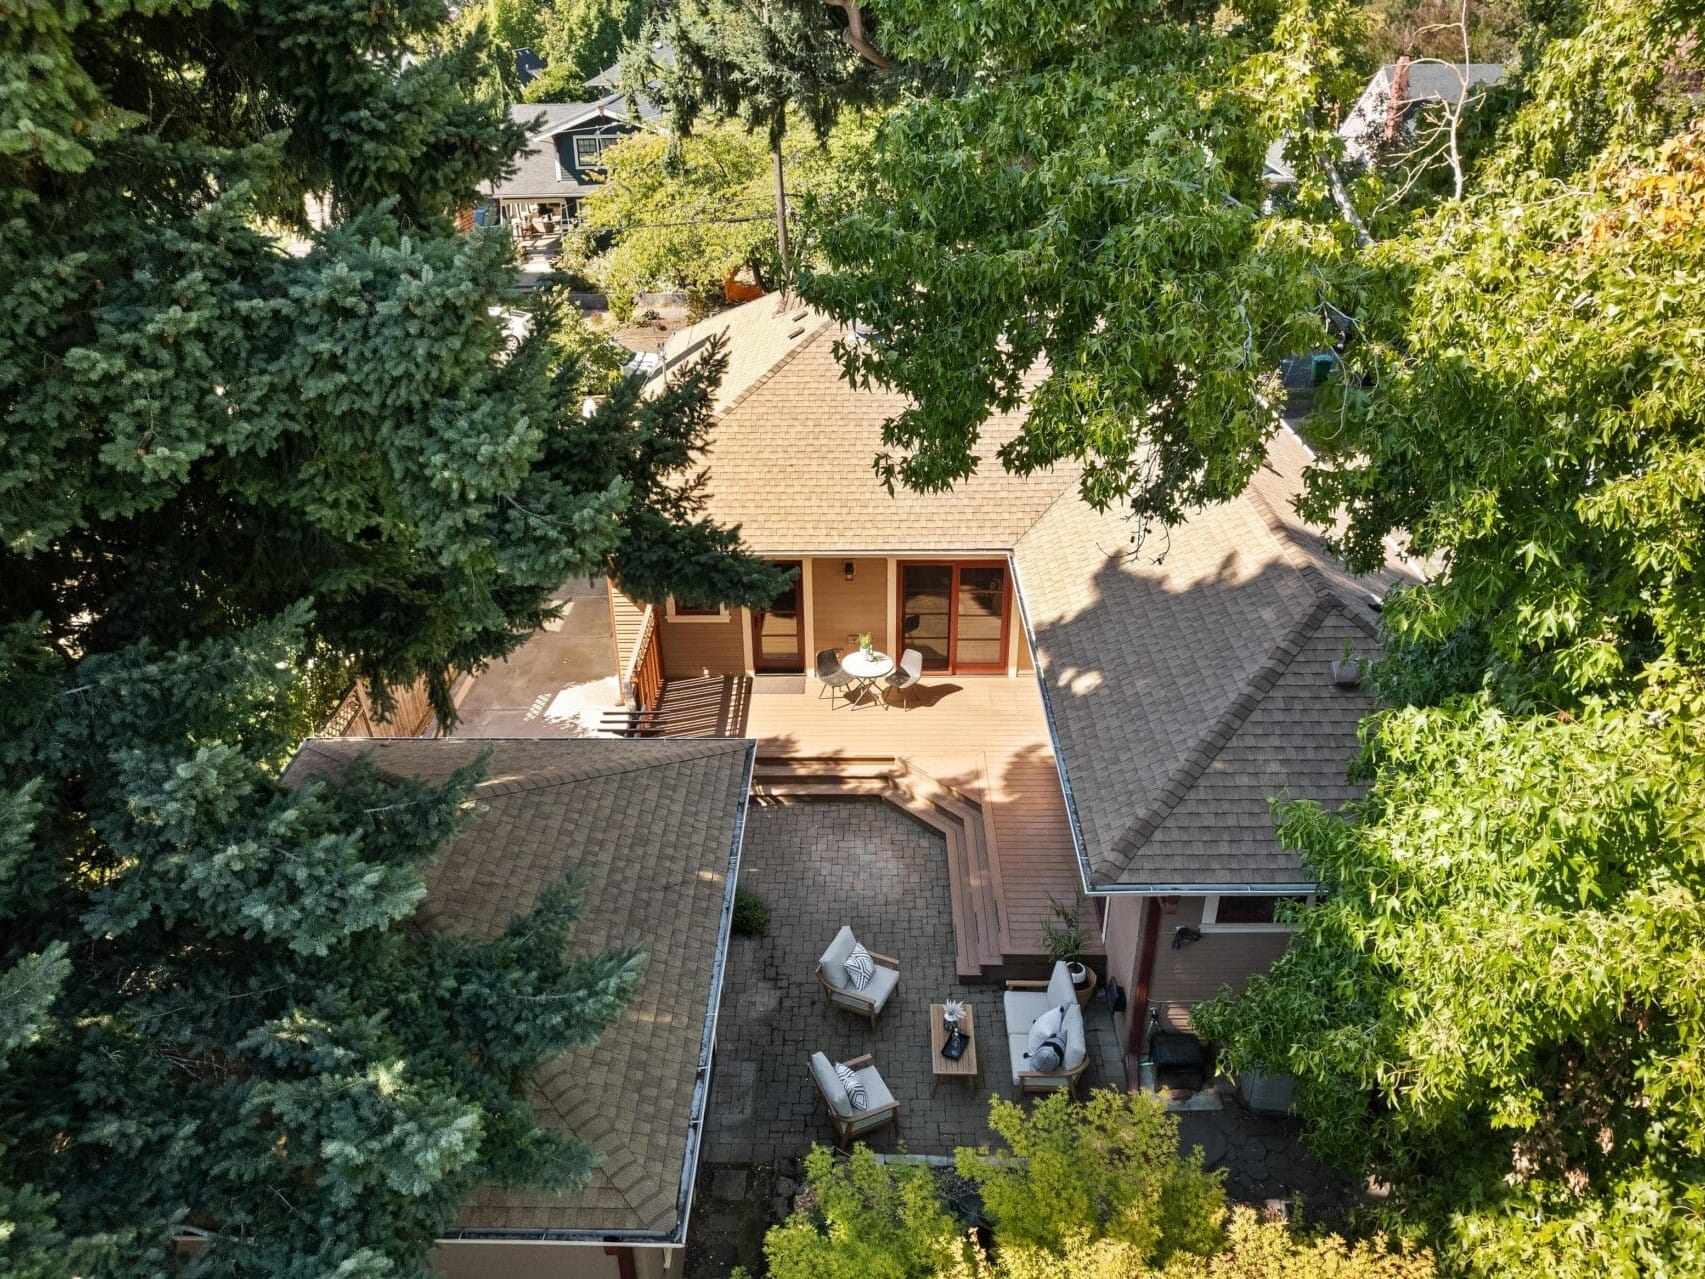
[231, 1033]
[207, 420]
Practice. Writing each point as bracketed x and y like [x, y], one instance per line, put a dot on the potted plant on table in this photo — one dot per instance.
[1064, 938]
[866, 645]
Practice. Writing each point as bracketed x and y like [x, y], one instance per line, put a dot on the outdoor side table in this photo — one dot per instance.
[867, 671]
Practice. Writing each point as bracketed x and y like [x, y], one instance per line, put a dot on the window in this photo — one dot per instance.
[589, 150]
[676, 612]
[1245, 910]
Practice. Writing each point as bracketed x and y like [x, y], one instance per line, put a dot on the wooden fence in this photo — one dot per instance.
[357, 716]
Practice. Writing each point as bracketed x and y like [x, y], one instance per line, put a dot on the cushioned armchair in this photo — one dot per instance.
[880, 1107]
[1025, 1002]
[832, 977]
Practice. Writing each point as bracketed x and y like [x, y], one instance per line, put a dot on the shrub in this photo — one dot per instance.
[751, 913]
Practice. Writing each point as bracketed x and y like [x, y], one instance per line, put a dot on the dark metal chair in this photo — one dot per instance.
[907, 675]
[833, 679]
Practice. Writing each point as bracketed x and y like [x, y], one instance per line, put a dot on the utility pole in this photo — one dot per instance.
[778, 128]
[781, 218]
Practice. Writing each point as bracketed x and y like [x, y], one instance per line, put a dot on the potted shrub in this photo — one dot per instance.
[1064, 938]
[1347, 669]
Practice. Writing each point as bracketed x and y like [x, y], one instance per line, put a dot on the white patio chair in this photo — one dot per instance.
[905, 677]
[832, 977]
[880, 1108]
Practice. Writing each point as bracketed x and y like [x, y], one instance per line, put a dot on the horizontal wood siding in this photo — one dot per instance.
[1195, 972]
[840, 608]
[692, 650]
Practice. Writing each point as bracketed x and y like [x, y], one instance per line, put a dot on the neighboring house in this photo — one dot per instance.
[1183, 682]
[564, 162]
[654, 831]
[1387, 108]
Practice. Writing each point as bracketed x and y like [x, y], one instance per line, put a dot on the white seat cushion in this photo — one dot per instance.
[1024, 1007]
[833, 964]
[882, 984]
[875, 1090]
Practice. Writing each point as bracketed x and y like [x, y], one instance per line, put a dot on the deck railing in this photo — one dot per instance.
[643, 678]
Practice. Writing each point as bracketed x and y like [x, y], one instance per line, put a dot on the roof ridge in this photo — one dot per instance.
[764, 378]
[680, 751]
[1302, 560]
[1071, 490]
[557, 778]
[1225, 725]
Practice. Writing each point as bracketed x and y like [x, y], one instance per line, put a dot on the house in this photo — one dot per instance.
[654, 829]
[563, 164]
[1388, 106]
[1115, 712]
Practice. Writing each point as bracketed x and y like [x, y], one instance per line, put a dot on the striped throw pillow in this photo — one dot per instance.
[855, 1087]
[860, 966]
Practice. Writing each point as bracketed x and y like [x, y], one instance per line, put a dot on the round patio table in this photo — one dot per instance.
[866, 671]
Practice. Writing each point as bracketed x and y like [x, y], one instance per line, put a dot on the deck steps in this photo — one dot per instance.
[973, 858]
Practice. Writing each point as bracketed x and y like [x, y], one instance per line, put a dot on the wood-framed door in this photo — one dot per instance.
[957, 613]
[778, 632]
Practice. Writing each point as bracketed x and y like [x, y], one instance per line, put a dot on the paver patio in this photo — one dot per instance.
[821, 864]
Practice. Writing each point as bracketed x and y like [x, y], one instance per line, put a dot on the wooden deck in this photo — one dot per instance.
[985, 736]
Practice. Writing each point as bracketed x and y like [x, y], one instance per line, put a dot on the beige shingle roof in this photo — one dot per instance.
[650, 826]
[1185, 676]
[790, 458]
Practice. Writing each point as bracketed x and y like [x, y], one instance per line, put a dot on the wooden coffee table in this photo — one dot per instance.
[966, 1067]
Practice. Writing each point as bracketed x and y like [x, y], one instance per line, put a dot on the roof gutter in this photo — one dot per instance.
[701, 1083]
[1194, 890]
[1085, 874]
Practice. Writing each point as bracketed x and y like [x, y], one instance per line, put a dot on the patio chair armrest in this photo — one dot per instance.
[1027, 985]
[887, 961]
[857, 1062]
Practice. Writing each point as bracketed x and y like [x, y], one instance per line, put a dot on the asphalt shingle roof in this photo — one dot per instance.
[650, 826]
[1186, 676]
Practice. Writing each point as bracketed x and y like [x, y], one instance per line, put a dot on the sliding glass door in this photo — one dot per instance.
[956, 614]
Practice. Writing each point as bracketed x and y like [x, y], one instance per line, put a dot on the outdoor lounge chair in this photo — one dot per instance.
[906, 677]
[880, 1106]
[1025, 1002]
[832, 976]
[834, 680]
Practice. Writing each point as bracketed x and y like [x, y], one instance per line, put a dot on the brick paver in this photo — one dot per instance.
[819, 865]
